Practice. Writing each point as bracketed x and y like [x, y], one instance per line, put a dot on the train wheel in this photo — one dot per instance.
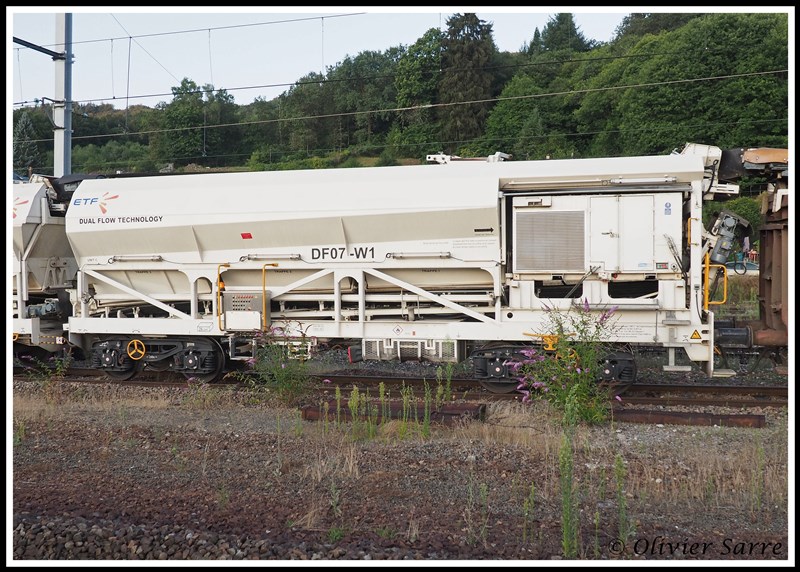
[215, 360]
[123, 375]
[500, 386]
[618, 369]
[115, 362]
[489, 363]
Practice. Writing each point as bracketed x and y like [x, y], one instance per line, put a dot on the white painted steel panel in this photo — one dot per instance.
[636, 227]
[222, 216]
[241, 320]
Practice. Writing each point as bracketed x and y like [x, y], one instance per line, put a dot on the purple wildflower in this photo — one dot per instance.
[513, 365]
[586, 304]
[618, 398]
[607, 314]
[326, 380]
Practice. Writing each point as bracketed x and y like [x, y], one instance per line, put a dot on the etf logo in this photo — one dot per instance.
[101, 202]
[17, 203]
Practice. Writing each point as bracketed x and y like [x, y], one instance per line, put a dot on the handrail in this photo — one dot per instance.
[220, 288]
[689, 229]
[708, 266]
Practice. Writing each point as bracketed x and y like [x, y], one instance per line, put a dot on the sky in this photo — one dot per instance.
[122, 54]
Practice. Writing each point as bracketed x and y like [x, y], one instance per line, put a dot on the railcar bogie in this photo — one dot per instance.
[200, 359]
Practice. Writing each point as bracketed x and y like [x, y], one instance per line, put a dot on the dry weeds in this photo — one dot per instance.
[251, 467]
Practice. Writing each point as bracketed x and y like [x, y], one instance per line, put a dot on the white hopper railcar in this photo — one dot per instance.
[43, 268]
[434, 262]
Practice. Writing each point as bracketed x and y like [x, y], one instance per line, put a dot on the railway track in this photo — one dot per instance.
[660, 394]
[651, 393]
[386, 398]
[742, 396]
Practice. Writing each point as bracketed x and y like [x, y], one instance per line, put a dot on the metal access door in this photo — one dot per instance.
[622, 233]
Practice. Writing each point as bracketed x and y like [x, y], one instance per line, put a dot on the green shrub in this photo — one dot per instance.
[273, 367]
[568, 376]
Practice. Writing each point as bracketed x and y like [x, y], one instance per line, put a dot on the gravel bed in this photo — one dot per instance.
[103, 472]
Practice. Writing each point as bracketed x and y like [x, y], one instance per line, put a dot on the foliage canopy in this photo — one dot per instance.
[663, 80]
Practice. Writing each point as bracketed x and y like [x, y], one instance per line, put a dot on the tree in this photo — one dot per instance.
[114, 156]
[26, 154]
[597, 113]
[549, 128]
[514, 125]
[417, 77]
[188, 125]
[300, 108]
[261, 132]
[746, 107]
[416, 82]
[468, 50]
[535, 46]
[364, 86]
[222, 138]
[180, 140]
[561, 33]
[639, 24]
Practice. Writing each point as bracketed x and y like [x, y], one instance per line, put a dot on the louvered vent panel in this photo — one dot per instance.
[550, 242]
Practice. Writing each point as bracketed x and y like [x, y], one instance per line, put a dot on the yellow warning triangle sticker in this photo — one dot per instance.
[695, 335]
